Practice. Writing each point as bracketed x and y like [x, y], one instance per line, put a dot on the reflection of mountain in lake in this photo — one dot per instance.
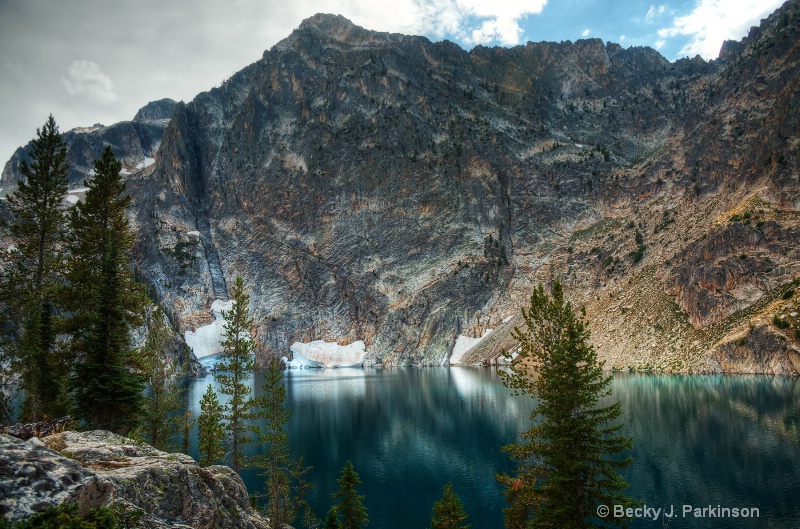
[730, 441]
[408, 432]
[727, 440]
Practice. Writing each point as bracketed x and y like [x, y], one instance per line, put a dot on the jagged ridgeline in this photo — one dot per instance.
[381, 187]
[134, 142]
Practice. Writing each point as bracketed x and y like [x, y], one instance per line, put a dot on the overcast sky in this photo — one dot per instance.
[99, 61]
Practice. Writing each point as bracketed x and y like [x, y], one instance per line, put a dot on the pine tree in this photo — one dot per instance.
[187, 428]
[160, 419]
[350, 508]
[285, 486]
[236, 364]
[332, 520]
[106, 302]
[33, 274]
[211, 429]
[568, 461]
[448, 513]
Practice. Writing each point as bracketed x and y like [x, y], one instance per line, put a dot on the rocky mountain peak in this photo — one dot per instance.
[155, 111]
[337, 28]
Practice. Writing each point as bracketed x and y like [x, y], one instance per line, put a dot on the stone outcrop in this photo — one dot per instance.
[44, 428]
[98, 468]
[732, 268]
[762, 350]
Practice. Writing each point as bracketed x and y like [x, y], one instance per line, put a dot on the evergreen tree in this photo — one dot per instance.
[235, 366]
[285, 486]
[187, 428]
[448, 513]
[211, 429]
[160, 419]
[353, 514]
[106, 302]
[33, 275]
[568, 461]
[332, 520]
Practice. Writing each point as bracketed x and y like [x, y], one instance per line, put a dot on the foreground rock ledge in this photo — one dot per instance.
[99, 468]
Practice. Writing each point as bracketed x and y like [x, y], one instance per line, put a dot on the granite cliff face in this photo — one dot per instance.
[382, 187]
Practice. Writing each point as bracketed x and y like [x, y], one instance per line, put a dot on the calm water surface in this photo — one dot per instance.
[728, 441]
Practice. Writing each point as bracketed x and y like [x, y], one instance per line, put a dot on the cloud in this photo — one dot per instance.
[85, 78]
[585, 33]
[711, 22]
[496, 20]
[654, 11]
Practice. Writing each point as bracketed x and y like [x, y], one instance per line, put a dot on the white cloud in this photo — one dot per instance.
[654, 11]
[85, 78]
[585, 33]
[499, 20]
[711, 22]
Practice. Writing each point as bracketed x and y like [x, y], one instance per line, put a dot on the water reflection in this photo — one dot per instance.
[408, 431]
[715, 440]
[712, 440]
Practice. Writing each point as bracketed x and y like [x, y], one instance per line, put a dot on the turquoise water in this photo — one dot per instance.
[724, 442]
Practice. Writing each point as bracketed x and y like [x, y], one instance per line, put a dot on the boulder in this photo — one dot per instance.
[99, 468]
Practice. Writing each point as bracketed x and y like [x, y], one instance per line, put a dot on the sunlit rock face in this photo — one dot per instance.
[380, 187]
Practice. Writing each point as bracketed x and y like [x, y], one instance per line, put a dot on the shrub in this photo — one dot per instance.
[780, 322]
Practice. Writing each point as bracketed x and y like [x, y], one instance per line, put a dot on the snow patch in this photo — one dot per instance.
[147, 162]
[71, 199]
[85, 130]
[193, 233]
[207, 340]
[507, 360]
[124, 171]
[464, 344]
[320, 353]
[79, 190]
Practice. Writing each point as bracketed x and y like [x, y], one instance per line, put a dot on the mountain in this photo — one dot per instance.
[385, 188]
[134, 143]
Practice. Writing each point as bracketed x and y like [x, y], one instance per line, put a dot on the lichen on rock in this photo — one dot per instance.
[99, 468]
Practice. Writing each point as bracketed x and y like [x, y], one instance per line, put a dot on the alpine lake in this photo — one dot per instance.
[702, 444]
